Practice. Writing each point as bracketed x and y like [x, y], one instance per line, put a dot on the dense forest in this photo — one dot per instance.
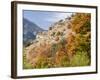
[67, 44]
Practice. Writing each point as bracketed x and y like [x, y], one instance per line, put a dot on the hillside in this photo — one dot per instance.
[30, 30]
[65, 44]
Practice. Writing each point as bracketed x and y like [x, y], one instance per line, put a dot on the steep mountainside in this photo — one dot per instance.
[30, 30]
[65, 44]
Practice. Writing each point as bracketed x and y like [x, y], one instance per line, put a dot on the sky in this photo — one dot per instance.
[44, 19]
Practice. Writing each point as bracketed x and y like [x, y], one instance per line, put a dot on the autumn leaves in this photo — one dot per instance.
[70, 51]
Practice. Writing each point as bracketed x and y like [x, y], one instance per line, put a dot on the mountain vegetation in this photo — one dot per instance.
[67, 43]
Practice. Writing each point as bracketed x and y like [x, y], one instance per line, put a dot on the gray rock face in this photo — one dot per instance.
[30, 30]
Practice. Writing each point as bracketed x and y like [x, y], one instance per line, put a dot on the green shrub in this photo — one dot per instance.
[83, 43]
[58, 33]
[64, 62]
[80, 59]
[85, 28]
[63, 41]
[53, 34]
[54, 49]
[44, 62]
[26, 65]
